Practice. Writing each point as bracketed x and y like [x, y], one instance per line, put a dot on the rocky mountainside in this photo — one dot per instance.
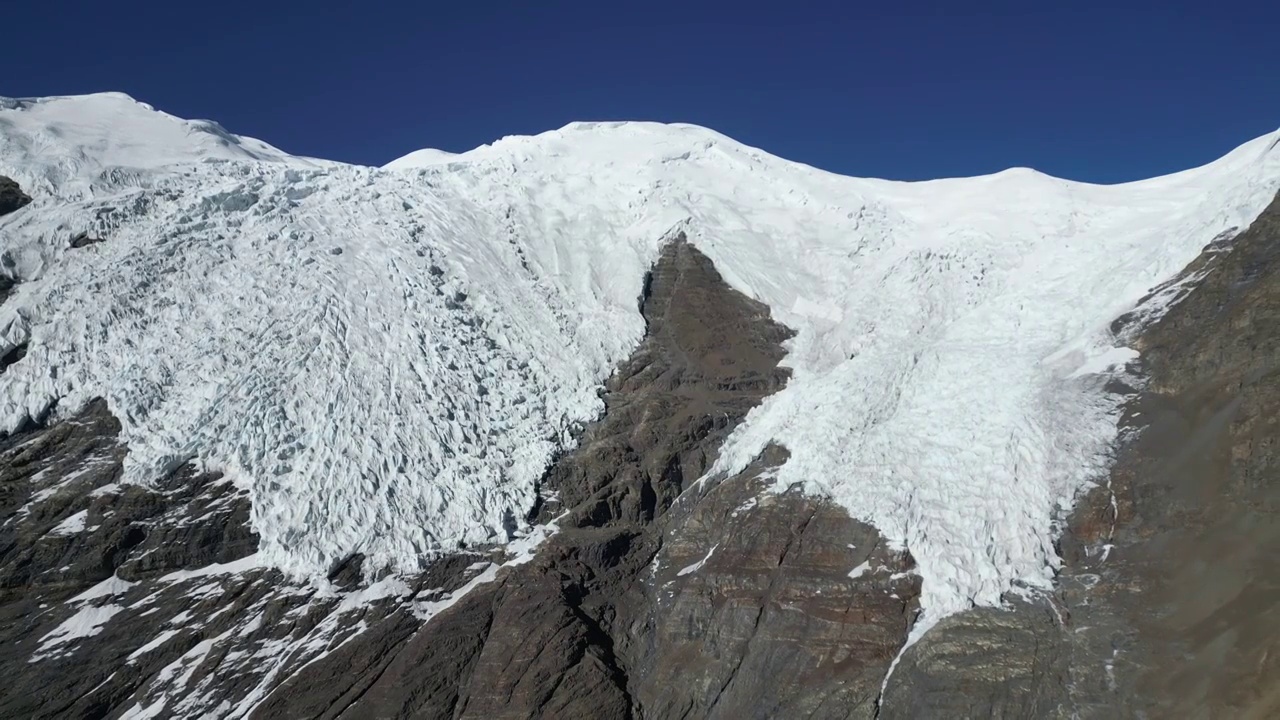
[625, 421]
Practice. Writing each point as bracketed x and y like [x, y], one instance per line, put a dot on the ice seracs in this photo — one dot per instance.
[388, 359]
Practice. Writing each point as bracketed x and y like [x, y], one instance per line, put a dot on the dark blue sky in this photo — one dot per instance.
[902, 90]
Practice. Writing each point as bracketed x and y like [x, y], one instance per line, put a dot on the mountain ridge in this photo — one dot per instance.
[579, 126]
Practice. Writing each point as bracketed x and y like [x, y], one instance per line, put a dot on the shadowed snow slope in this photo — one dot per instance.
[388, 359]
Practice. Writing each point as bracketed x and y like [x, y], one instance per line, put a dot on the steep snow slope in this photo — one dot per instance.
[389, 358]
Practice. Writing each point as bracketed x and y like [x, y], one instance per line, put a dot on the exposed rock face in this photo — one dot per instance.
[998, 663]
[1195, 572]
[772, 605]
[11, 196]
[83, 240]
[68, 524]
[1168, 603]
[67, 528]
[663, 596]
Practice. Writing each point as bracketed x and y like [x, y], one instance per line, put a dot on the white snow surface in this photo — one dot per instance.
[426, 157]
[388, 359]
[86, 622]
[71, 145]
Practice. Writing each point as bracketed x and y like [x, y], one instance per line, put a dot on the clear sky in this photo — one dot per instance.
[1102, 92]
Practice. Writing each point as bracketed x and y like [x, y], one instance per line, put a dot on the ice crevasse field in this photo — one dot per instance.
[388, 358]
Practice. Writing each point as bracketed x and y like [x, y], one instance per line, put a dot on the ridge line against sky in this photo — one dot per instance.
[1095, 92]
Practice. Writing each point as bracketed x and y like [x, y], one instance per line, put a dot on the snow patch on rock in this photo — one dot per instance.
[86, 622]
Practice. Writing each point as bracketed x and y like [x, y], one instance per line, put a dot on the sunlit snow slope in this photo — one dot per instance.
[425, 157]
[389, 358]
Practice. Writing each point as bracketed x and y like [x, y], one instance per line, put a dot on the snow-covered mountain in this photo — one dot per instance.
[388, 359]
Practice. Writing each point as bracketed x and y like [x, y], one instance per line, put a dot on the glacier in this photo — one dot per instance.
[388, 359]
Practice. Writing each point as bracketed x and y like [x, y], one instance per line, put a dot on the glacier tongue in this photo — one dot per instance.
[388, 359]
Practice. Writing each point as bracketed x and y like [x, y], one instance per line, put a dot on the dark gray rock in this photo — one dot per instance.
[64, 475]
[752, 612]
[986, 663]
[1194, 576]
[11, 196]
[83, 240]
[15, 355]
[66, 527]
